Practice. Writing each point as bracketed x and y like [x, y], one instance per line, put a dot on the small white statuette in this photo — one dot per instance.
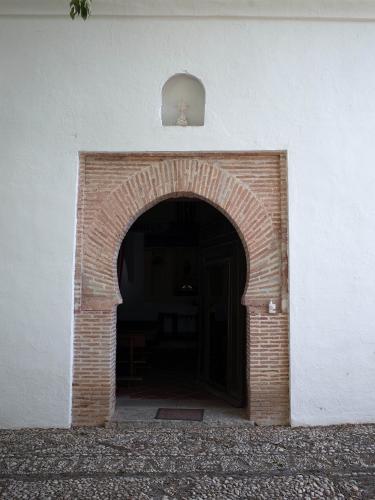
[271, 307]
[182, 119]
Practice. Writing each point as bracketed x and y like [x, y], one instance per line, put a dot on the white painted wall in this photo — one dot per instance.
[307, 86]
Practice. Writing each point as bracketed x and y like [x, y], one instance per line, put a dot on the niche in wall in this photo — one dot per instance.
[183, 101]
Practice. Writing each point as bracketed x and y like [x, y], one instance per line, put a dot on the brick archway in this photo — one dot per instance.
[115, 189]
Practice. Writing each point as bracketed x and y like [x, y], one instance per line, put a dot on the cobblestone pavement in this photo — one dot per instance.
[188, 461]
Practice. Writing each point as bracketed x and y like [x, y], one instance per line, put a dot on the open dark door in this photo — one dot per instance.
[222, 346]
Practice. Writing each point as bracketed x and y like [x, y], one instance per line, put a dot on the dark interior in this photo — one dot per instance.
[181, 327]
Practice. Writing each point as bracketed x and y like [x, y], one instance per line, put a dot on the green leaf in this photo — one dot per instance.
[80, 8]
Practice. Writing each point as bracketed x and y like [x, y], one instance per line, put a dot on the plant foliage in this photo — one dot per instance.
[80, 8]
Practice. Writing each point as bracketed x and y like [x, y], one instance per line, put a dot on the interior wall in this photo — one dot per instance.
[302, 86]
[149, 289]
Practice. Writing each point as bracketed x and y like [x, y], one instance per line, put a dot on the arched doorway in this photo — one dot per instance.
[250, 189]
[181, 329]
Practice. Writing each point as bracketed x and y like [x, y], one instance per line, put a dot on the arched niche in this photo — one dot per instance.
[183, 101]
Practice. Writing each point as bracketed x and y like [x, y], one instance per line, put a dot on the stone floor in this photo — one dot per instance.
[187, 460]
[215, 410]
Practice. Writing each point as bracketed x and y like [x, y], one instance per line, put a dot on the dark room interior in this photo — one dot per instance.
[181, 327]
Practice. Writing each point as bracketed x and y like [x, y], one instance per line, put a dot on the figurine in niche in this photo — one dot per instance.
[182, 118]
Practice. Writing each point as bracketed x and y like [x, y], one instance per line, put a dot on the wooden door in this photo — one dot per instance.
[222, 335]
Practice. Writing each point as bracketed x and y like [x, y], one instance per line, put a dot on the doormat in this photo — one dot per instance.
[180, 414]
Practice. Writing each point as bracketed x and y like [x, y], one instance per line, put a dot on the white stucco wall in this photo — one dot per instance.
[306, 86]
